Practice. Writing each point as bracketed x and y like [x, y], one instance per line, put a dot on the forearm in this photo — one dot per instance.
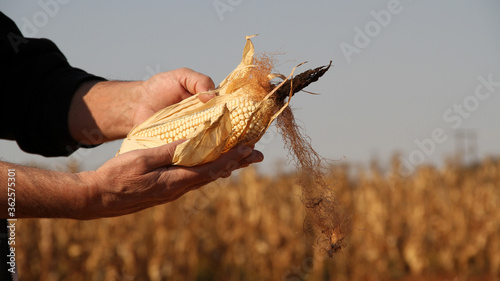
[125, 184]
[103, 111]
[42, 193]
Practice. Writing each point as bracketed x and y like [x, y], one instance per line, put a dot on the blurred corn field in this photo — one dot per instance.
[436, 224]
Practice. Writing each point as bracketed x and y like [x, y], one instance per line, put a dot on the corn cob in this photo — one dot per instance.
[245, 105]
[241, 110]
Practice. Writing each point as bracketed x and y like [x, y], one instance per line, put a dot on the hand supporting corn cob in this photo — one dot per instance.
[245, 105]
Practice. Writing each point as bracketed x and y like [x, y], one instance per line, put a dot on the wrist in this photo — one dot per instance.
[102, 111]
[80, 120]
[88, 196]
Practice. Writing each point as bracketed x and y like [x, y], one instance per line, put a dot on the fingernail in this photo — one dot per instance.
[256, 157]
[260, 157]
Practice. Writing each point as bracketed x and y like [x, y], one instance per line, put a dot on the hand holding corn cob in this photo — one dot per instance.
[144, 178]
[108, 110]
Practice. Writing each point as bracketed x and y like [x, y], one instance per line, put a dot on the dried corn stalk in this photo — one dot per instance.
[246, 103]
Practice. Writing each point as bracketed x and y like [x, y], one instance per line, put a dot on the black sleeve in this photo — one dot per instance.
[37, 85]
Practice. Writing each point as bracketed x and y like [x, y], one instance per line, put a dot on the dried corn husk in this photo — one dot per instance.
[217, 133]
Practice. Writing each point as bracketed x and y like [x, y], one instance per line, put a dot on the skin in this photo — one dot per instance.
[130, 182]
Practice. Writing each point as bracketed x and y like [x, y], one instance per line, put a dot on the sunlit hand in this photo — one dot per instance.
[108, 110]
[144, 178]
[167, 88]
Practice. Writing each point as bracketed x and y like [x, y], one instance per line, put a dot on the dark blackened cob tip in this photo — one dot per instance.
[300, 82]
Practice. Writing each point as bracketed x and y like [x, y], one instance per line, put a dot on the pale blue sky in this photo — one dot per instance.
[394, 91]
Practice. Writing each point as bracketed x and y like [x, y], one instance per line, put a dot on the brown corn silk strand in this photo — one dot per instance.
[324, 213]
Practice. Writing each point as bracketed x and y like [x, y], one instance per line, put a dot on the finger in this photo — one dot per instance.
[188, 189]
[176, 181]
[160, 156]
[194, 82]
[226, 174]
[206, 97]
[223, 165]
[255, 157]
[183, 179]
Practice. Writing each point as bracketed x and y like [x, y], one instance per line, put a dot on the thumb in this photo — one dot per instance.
[160, 156]
[194, 82]
[206, 96]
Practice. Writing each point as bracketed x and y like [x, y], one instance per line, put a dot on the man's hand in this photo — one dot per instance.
[144, 178]
[125, 184]
[105, 111]
[167, 88]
